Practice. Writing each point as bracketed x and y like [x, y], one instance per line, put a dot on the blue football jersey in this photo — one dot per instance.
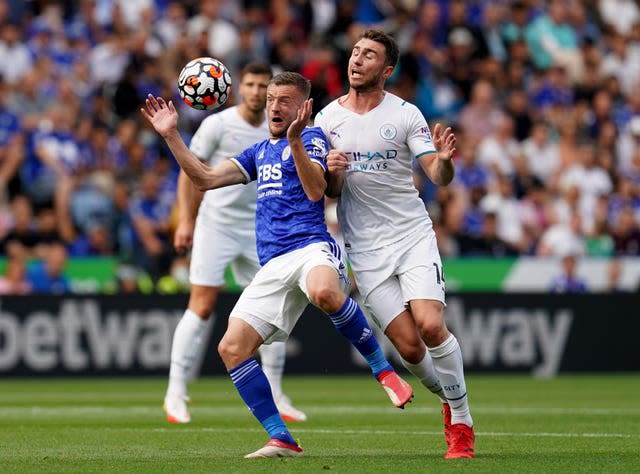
[286, 219]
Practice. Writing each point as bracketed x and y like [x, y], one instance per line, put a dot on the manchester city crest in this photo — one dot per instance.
[388, 131]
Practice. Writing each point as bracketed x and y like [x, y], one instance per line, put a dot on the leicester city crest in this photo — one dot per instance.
[388, 131]
[286, 153]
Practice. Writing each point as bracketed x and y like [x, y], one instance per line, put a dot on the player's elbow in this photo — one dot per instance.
[203, 187]
[202, 182]
[315, 195]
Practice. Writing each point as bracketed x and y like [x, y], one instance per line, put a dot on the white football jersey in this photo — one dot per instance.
[221, 136]
[379, 204]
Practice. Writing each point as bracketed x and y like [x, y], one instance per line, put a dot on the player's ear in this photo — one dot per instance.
[388, 70]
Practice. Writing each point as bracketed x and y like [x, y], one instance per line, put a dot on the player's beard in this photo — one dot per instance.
[278, 133]
[368, 86]
[255, 107]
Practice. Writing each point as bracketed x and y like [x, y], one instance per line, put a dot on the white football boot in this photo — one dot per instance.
[175, 409]
[287, 411]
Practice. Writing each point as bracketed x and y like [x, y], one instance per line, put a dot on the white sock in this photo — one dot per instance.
[426, 373]
[447, 360]
[187, 340]
[272, 358]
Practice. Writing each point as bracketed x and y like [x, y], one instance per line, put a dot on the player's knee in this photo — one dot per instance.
[433, 331]
[202, 310]
[202, 300]
[326, 298]
[203, 307]
[411, 349]
[231, 353]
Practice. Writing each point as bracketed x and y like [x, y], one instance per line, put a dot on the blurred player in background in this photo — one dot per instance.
[301, 263]
[387, 231]
[222, 234]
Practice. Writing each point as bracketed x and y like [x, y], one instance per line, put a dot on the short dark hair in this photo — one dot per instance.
[257, 67]
[290, 78]
[392, 53]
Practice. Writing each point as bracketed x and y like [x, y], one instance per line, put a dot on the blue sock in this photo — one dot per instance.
[351, 323]
[254, 388]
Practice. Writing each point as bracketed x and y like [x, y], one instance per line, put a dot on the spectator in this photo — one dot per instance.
[504, 204]
[602, 110]
[535, 214]
[14, 281]
[492, 42]
[30, 101]
[23, 232]
[626, 194]
[543, 158]
[151, 220]
[460, 68]
[517, 19]
[566, 127]
[322, 70]
[614, 277]
[523, 179]
[517, 106]
[171, 24]
[221, 35]
[592, 181]
[562, 238]
[46, 275]
[626, 233]
[498, 150]
[584, 22]
[470, 173]
[628, 145]
[599, 243]
[50, 168]
[552, 90]
[481, 116]
[430, 22]
[474, 217]
[552, 41]
[620, 15]
[15, 58]
[568, 281]
[108, 59]
[487, 243]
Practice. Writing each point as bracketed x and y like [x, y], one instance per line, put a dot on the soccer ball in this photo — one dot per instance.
[204, 83]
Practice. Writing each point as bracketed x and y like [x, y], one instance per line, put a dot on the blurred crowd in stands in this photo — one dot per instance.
[544, 97]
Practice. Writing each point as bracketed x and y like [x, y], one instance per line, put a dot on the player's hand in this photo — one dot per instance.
[301, 121]
[162, 115]
[183, 237]
[337, 161]
[445, 142]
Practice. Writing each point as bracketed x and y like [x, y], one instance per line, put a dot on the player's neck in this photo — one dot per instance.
[362, 102]
[251, 117]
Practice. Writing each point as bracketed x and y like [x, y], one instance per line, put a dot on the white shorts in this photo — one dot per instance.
[216, 246]
[389, 278]
[277, 296]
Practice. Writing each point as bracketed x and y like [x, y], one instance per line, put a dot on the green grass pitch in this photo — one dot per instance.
[581, 423]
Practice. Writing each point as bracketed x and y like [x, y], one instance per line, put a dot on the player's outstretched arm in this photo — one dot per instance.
[439, 168]
[311, 174]
[164, 118]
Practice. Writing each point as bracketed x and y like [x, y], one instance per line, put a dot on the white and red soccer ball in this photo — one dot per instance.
[204, 83]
